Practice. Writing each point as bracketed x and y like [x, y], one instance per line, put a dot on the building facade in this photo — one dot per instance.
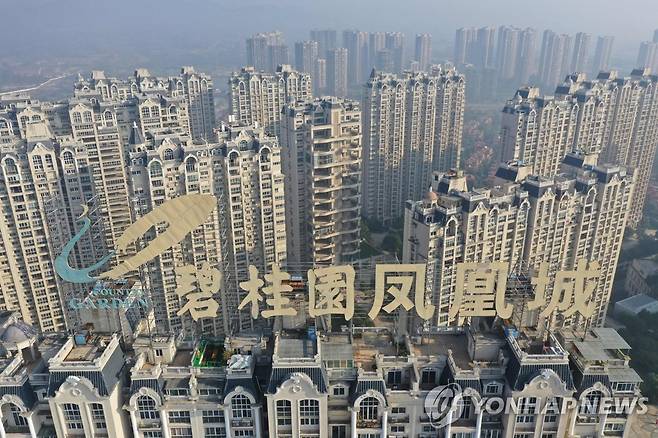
[321, 140]
[258, 97]
[413, 125]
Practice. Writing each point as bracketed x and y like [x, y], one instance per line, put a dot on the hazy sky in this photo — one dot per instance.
[54, 26]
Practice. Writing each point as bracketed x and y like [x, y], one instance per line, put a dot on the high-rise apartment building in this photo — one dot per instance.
[412, 125]
[258, 97]
[185, 101]
[601, 61]
[34, 224]
[243, 171]
[395, 42]
[555, 58]
[259, 54]
[464, 40]
[647, 56]
[320, 78]
[306, 56]
[95, 126]
[376, 43]
[507, 54]
[580, 55]
[611, 116]
[520, 221]
[423, 53]
[337, 62]
[526, 63]
[326, 41]
[483, 55]
[321, 140]
[356, 43]
[538, 130]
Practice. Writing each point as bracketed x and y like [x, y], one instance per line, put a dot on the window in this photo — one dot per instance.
[179, 417]
[491, 433]
[72, 417]
[614, 427]
[181, 432]
[394, 377]
[398, 410]
[241, 433]
[309, 412]
[492, 388]
[98, 416]
[213, 417]
[168, 154]
[215, 432]
[152, 434]
[283, 413]
[526, 407]
[368, 409]
[466, 404]
[146, 408]
[19, 420]
[339, 431]
[623, 387]
[240, 406]
[428, 377]
[589, 405]
[339, 391]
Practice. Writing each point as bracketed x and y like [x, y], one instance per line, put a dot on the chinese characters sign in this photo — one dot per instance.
[480, 288]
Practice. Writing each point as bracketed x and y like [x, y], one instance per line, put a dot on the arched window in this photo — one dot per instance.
[173, 109]
[146, 408]
[589, 405]
[155, 170]
[38, 163]
[369, 408]
[190, 165]
[68, 158]
[146, 112]
[168, 154]
[109, 120]
[241, 406]
[10, 165]
[77, 118]
[87, 117]
[283, 413]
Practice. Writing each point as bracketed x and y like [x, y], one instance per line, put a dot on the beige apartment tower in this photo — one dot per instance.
[321, 140]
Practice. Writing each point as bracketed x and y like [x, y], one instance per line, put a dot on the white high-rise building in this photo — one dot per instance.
[356, 43]
[580, 56]
[243, 171]
[555, 58]
[508, 52]
[520, 221]
[412, 125]
[321, 140]
[185, 101]
[259, 53]
[337, 61]
[612, 116]
[601, 61]
[34, 224]
[423, 50]
[258, 97]
[647, 57]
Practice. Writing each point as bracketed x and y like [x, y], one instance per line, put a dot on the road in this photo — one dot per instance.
[36, 87]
